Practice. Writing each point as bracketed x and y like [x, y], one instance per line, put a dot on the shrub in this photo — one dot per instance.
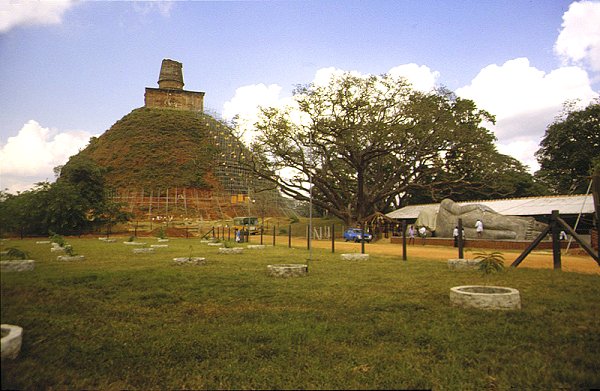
[15, 253]
[58, 239]
[490, 262]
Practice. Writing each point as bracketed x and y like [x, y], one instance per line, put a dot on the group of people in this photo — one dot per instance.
[411, 234]
[423, 233]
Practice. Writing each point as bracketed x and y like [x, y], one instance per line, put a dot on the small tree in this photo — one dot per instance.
[492, 262]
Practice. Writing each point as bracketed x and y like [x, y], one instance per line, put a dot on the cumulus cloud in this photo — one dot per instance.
[525, 101]
[522, 149]
[16, 13]
[421, 77]
[147, 7]
[32, 154]
[246, 103]
[579, 39]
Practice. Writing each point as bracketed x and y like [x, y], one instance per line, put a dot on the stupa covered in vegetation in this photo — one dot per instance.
[170, 152]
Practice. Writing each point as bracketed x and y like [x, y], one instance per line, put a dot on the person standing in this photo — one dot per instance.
[411, 235]
[455, 236]
[423, 234]
[479, 228]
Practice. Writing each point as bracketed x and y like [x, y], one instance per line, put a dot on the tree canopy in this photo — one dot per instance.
[76, 202]
[570, 149]
[364, 143]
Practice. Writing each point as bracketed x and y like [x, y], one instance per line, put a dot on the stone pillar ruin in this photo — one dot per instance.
[170, 93]
[171, 75]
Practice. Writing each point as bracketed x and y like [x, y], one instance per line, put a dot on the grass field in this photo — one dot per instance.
[120, 320]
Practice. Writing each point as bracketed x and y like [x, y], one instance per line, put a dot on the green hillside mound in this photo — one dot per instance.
[158, 148]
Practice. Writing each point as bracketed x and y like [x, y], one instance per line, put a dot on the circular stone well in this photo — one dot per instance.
[288, 270]
[189, 260]
[70, 258]
[355, 257]
[11, 341]
[256, 246]
[485, 297]
[230, 250]
[17, 265]
[463, 264]
[143, 250]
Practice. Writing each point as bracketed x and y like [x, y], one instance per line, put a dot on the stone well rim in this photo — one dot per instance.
[484, 290]
[12, 329]
[11, 342]
[289, 265]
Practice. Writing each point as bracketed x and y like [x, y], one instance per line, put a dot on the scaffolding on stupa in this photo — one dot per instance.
[237, 193]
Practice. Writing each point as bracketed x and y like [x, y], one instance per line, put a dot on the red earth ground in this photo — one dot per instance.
[575, 261]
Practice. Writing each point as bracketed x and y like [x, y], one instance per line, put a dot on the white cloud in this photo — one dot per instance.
[579, 38]
[420, 76]
[246, 104]
[147, 7]
[525, 101]
[324, 75]
[523, 150]
[248, 99]
[32, 154]
[26, 12]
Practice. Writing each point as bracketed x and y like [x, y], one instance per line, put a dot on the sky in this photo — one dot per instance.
[70, 70]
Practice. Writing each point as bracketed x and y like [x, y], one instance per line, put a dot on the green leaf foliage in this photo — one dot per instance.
[156, 148]
[15, 253]
[490, 262]
[570, 150]
[366, 143]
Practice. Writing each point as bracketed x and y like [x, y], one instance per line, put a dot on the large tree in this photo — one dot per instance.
[570, 149]
[485, 175]
[363, 142]
[75, 203]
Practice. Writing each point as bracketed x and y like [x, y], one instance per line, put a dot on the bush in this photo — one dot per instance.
[15, 253]
[490, 262]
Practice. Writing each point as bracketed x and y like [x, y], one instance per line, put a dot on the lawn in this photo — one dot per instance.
[120, 320]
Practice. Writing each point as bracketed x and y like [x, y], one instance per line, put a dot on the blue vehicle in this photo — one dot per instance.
[356, 235]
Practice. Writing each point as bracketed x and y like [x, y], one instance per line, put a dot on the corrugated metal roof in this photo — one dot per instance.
[529, 206]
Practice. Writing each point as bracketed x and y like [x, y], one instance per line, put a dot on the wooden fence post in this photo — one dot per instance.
[333, 238]
[555, 228]
[461, 254]
[404, 240]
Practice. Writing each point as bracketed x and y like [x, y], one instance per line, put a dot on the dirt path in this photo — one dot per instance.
[537, 259]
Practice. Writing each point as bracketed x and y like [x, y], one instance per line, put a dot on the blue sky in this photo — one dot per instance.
[71, 70]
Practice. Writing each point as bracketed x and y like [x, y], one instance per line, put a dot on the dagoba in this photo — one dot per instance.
[170, 93]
